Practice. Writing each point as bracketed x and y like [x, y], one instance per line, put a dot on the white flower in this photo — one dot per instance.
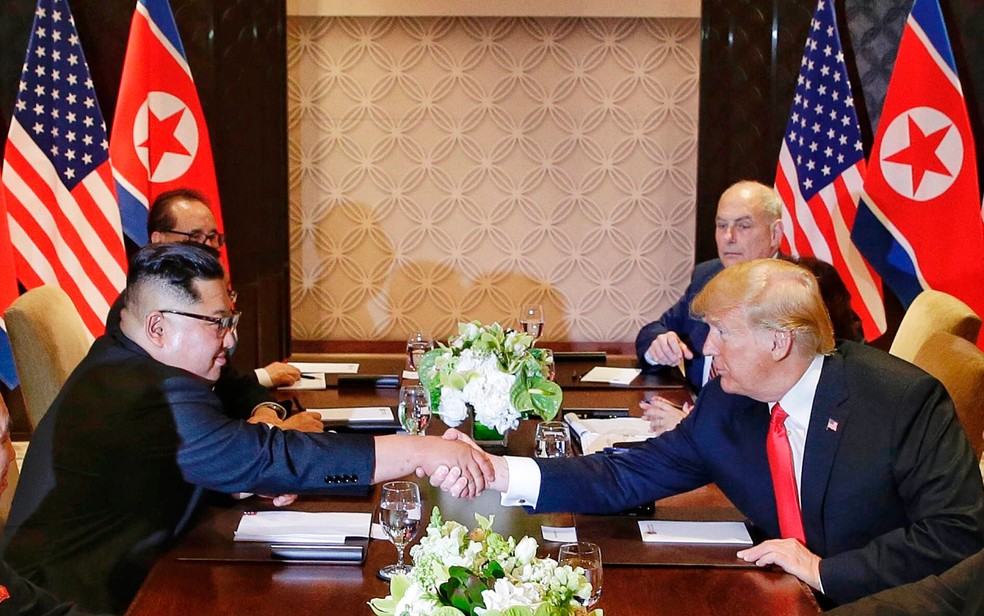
[417, 602]
[526, 550]
[452, 409]
[506, 594]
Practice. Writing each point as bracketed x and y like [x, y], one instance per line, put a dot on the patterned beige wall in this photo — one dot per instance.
[447, 169]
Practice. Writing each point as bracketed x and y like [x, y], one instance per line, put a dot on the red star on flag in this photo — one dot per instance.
[920, 155]
[161, 131]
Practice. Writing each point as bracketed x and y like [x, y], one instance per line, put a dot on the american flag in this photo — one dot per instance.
[821, 169]
[63, 216]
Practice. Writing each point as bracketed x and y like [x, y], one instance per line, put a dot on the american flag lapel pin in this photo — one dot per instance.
[832, 425]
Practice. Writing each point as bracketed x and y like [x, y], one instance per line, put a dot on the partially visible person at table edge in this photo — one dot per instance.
[851, 460]
[748, 226]
[19, 597]
[120, 461]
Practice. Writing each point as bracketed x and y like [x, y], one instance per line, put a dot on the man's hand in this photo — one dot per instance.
[305, 421]
[789, 554]
[281, 500]
[662, 414]
[282, 374]
[450, 479]
[668, 350]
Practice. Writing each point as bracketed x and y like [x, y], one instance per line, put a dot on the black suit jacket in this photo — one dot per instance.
[120, 460]
[958, 592]
[677, 319]
[891, 491]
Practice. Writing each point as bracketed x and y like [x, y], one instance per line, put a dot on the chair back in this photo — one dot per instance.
[933, 311]
[959, 365]
[7, 495]
[49, 340]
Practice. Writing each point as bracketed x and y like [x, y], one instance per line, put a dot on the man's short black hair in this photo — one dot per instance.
[178, 265]
[161, 216]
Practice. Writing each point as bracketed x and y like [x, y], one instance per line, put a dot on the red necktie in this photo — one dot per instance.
[713, 372]
[783, 477]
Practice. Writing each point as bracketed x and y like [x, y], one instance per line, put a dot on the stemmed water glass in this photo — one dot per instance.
[399, 516]
[414, 408]
[531, 320]
[417, 345]
[588, 557]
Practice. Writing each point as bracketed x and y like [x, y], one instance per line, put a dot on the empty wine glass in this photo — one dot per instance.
[399, 516]
[417, 345]
[414, 409]
[531, 320]
[587, 556]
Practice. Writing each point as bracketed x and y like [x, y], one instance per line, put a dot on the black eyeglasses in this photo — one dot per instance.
[200, 237]
[224, 325]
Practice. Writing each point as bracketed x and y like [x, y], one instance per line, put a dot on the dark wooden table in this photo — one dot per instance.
[207, 574]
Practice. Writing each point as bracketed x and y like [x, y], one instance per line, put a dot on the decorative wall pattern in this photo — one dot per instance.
[445, 169]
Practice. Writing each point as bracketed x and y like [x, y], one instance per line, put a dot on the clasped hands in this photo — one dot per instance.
[458, 466]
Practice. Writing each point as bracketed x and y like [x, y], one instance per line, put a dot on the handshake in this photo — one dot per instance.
[455, 464]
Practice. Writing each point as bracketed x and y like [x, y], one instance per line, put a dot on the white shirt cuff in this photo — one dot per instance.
[524, 483]
[263, 378]
[649, 360]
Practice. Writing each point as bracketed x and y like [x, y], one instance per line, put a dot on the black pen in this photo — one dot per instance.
[305, 375]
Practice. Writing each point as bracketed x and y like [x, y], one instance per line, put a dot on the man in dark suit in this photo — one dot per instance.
[851, 460]
[120, 460]
[958, 592]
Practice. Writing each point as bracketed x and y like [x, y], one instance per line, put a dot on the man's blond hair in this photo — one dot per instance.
[772, 294]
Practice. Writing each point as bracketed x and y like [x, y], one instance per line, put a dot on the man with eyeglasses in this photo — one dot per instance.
[183, 214]
[120, 461]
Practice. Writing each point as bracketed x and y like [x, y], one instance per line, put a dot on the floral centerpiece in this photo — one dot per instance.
[496, 372]
[483, 573]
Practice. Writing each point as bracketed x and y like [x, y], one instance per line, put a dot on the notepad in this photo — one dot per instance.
[667, 531]
[302, 527]
[357, 414]
[614, 376]
[308, 380]
[325, 368]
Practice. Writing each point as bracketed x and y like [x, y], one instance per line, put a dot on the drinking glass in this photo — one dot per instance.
[588, 557]
[414, 409]
[531, 320]
[418, 344]
[553, 439]
[399, 516]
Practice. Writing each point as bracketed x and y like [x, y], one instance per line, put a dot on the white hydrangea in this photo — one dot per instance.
[453, 409]
[506, 594]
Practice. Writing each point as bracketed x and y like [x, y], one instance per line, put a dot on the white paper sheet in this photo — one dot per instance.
[559, 534]
[309, 380]
[356, 414]
[615, 376]
[302, 526]
[325, 368]
[667, 531]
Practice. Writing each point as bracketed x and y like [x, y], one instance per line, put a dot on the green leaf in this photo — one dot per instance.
[457, 381]
[548, 610]
[399, 585]
[519, 395]
[546, 398]
[446, 610]
[519, 610]
[383, 607]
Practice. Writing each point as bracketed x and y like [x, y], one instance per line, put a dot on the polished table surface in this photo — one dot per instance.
[206, 573]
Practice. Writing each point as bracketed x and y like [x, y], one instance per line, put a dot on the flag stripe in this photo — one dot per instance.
[63, 215]
[64, 220]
